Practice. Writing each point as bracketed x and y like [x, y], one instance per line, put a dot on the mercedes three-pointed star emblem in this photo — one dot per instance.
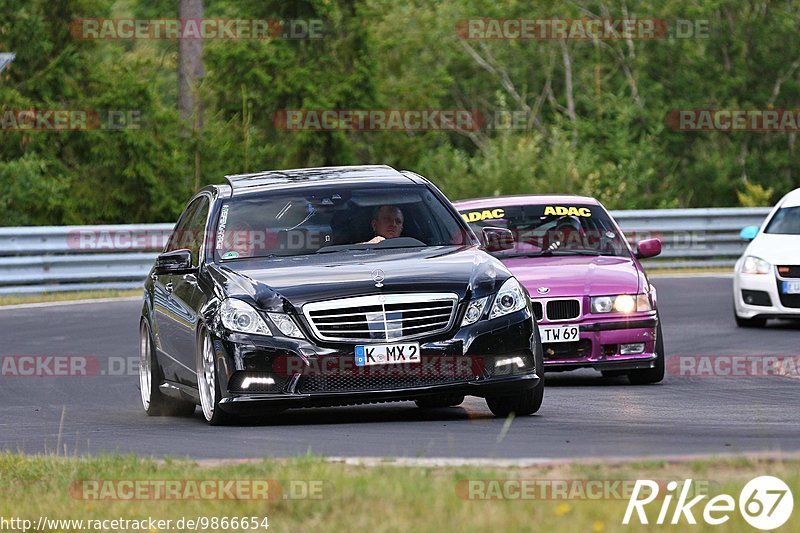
[378, 276]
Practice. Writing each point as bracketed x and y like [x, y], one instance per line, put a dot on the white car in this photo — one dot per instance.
[766, 280]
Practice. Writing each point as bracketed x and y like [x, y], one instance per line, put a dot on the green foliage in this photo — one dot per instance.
[754, 195]
[399, 54]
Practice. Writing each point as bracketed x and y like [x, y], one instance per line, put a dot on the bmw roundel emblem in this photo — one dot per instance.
[543, 290]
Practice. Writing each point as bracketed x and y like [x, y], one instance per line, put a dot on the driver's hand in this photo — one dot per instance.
[375, 240]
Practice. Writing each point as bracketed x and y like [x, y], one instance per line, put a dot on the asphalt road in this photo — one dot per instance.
[583, 416]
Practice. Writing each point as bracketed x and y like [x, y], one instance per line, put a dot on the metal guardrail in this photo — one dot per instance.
[692, 238]
[65, 258]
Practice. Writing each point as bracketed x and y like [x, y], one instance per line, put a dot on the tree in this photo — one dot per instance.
[190, 66]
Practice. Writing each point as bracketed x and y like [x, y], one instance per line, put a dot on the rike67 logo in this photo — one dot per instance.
[765, 503]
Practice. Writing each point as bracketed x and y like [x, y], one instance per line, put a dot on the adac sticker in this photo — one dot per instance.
[563, 210]
[486, 214]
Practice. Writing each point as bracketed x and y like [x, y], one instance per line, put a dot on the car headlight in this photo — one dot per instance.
[755, 265]
[241, 317]
[623, 303]
[509, 298]
[474, 311]
[286, 325]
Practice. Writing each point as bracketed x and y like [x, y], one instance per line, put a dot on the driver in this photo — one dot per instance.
[387, 223]
[565, 234]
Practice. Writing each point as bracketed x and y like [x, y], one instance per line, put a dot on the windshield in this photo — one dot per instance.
[785, 222]
[334, 218]
[552, 229]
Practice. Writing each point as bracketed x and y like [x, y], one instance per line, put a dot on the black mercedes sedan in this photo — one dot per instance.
[333, 286]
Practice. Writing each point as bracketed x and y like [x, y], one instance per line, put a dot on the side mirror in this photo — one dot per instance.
[497, 239]
[749, 233]
[648, 248]
[174, 262]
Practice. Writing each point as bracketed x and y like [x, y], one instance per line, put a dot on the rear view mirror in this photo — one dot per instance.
[648, 248]
[174, 262]
[749, 233]
[497, 239]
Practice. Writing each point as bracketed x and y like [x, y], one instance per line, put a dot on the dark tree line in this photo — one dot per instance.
[578, 116]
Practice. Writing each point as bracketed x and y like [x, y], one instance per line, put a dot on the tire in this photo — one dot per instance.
[655, 374]
[150, 376]
[442, 400]
[525, 403]
[208, 382]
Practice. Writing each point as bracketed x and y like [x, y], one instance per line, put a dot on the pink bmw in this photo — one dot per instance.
[594, 303]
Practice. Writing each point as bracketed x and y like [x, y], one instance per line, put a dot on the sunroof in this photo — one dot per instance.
[273, 177]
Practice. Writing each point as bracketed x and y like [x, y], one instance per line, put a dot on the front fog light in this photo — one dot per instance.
[510, 361]
[631, 349]
[286, 325]
[248, 381]
[474, 311]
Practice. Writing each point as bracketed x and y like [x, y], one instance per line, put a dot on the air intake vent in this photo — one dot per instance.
[389, 317]
[563, 309]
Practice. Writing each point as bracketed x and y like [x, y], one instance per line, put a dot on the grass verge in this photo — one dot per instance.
[362, 498]
[66, 296]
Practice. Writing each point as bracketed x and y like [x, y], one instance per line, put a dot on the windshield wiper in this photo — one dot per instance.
[332, 249]
[549, 253]
[561, 251]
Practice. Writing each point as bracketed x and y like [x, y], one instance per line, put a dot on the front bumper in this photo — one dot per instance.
[599, 344]
[764, 290]
[301, 373]
[254, 403]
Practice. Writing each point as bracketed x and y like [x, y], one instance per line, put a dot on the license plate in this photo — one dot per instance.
[560, 334]
[791, 287]
[381, 354]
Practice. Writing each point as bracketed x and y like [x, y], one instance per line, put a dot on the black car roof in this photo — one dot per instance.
[382, 174]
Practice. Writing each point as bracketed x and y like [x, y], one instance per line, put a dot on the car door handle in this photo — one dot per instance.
[169, 286]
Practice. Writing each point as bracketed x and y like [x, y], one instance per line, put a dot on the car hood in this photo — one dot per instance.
[576, 275]
[281, 283]
[776, 249]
